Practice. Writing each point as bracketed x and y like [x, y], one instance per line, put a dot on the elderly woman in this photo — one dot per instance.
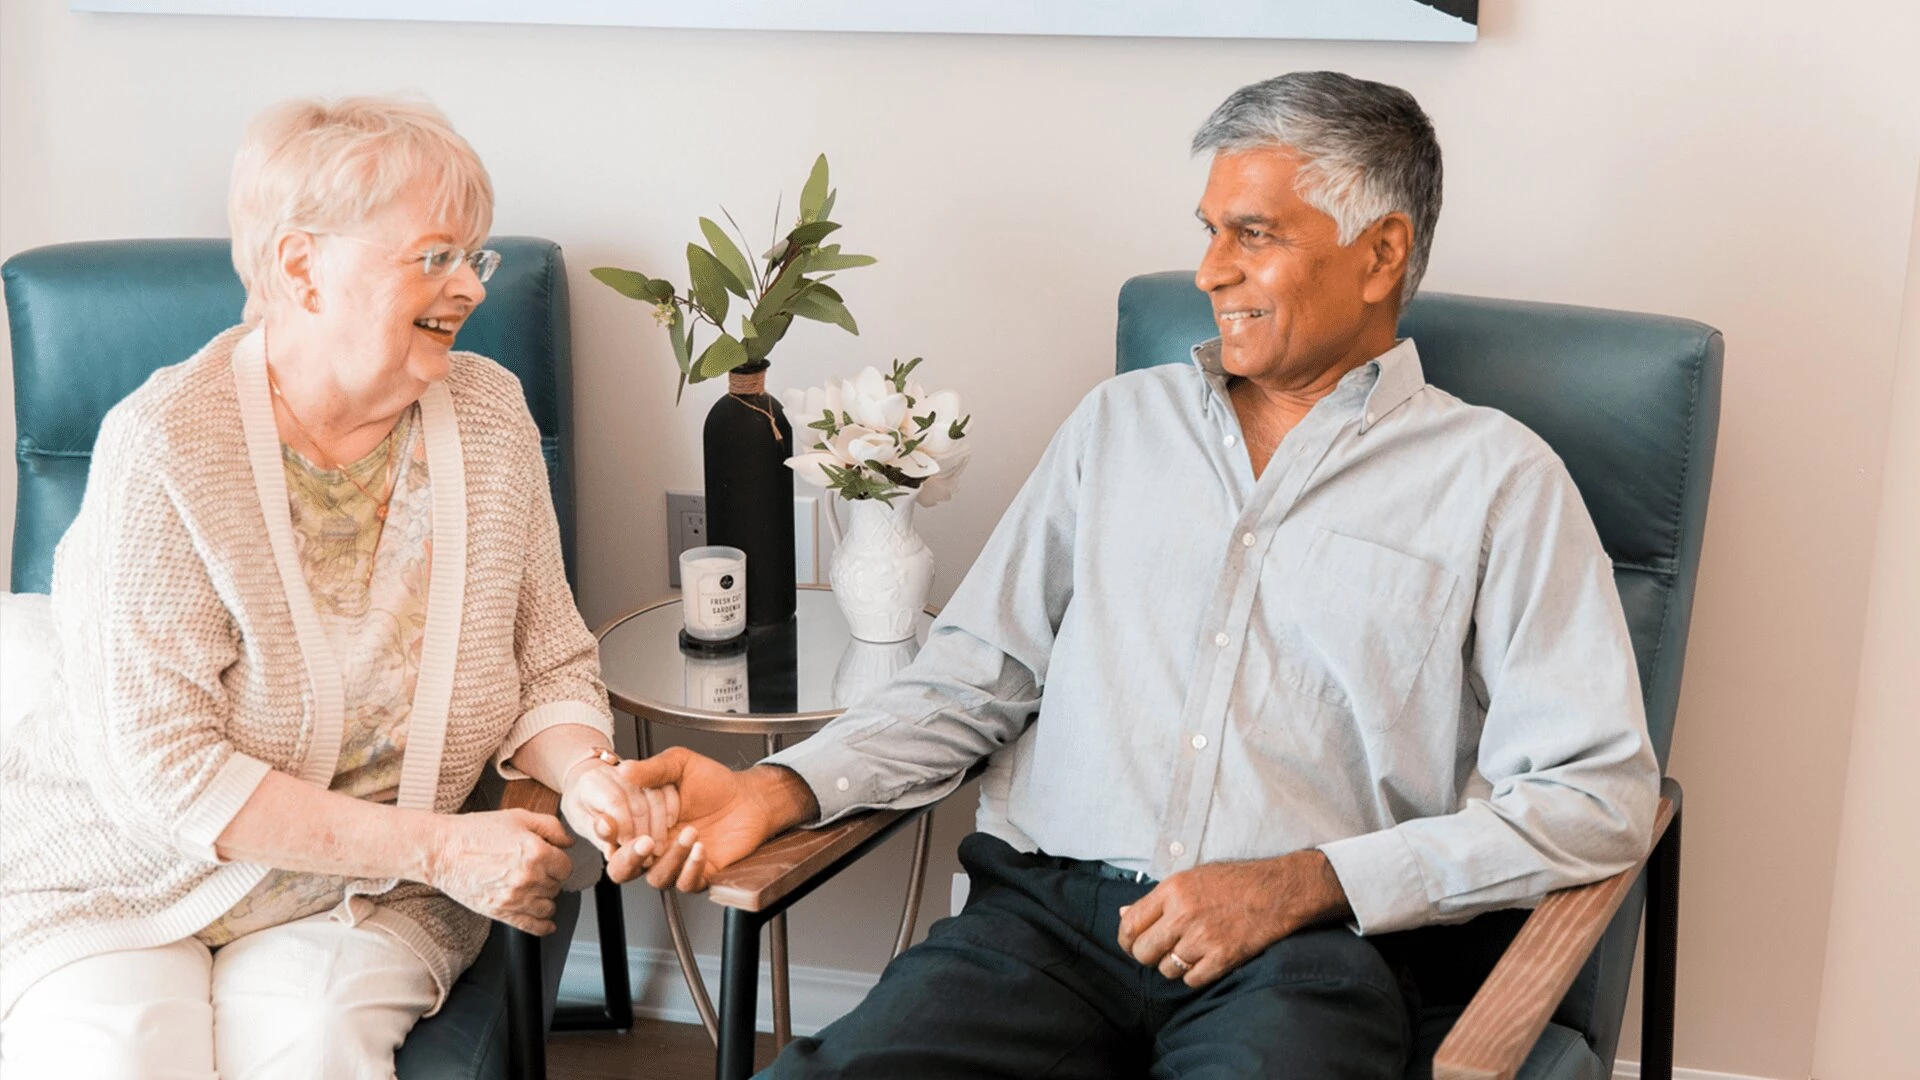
[314, 587]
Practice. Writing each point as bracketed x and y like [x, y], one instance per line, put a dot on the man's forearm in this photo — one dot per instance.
[1323, 897]
[788, 801]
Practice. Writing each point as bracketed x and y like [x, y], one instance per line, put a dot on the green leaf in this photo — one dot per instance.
[826, 208]
[829, 258]
[628, 283]
[682, 348]
[771, 331]
[812, 305]
[900, 373]
[825, 290]
[748, 331]
[813, 197]
[725, 354]
[811, 233]
[710, 283]
[729, 256]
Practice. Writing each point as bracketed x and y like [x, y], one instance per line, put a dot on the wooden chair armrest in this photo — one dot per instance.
[792, 860]
[1493, 1037]
[530, 795]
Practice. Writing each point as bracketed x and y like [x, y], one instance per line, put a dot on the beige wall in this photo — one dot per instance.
[1745, 163]
[1872, 988]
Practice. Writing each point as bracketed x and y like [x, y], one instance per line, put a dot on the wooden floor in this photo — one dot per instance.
[653, 1050]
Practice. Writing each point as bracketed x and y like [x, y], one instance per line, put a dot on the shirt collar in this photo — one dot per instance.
[1396, 376]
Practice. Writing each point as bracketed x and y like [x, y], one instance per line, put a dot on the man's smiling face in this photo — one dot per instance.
[1291, 303]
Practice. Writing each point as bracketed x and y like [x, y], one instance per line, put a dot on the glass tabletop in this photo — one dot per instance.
[789, 679]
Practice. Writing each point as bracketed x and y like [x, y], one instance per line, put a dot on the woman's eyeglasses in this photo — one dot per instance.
[443, 260]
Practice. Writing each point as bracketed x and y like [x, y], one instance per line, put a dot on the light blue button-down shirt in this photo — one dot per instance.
[1401, 645]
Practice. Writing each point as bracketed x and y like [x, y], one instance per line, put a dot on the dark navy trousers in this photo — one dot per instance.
[1029, 981]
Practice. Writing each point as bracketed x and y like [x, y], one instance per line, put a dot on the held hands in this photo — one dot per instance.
[1200, 924]
[629, 822]
[724, 815]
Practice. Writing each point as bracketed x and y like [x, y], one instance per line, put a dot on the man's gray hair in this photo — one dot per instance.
[1368, 150]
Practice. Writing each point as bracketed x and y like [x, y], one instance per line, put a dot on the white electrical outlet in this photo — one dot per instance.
[687, 528]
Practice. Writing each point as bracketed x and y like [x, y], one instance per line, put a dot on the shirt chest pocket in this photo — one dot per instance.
[1358, 621]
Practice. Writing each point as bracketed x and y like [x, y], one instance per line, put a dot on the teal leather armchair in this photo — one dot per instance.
[89, 323]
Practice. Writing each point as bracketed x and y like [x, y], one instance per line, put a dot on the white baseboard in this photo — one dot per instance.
[820, 995]
[1630, 1070]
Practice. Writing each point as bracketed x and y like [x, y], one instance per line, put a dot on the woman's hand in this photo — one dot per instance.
[505, 864]
[627, 822]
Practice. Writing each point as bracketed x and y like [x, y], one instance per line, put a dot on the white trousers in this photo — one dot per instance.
[311, 1000]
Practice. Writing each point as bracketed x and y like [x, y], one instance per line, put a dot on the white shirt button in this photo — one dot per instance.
[1177, 849]
[841, 784]
[1248, 539]
[1370, 418]
[1199, 742]
[1227, 441]
[1221, 639]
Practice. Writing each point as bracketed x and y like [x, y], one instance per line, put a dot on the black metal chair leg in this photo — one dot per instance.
[739, 989]
[526, 1037]
[1662, 950]
[615, 1013]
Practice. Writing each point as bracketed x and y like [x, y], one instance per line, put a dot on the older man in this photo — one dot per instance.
[1278, 641]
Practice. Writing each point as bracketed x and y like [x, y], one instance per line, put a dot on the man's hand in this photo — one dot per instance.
[724, 815]
[1202, 923]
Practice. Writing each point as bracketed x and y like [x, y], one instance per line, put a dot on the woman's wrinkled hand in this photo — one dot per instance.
[628, 822]
[505, 864]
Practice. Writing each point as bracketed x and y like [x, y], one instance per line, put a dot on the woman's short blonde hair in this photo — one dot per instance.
[320, 166]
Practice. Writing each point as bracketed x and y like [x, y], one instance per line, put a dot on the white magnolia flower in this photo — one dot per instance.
[807, 466]
[874, 422]
[945, 407]
[805, 406]
[939, 488]
[872, 402]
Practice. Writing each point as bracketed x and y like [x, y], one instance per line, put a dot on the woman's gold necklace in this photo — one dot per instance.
[380, 502]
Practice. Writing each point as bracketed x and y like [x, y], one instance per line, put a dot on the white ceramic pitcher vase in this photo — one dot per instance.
[881, 568]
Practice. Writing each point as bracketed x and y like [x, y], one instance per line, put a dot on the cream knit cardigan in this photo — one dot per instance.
[194, 662]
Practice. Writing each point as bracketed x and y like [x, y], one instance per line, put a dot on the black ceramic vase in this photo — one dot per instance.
[750, 490]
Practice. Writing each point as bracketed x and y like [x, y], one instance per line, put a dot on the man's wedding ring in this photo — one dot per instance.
[1182, 966]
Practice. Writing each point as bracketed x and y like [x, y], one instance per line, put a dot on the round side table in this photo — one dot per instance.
[788, 682]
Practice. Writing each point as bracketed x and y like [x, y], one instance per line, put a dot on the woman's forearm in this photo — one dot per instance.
[292, 825]
[552, 754]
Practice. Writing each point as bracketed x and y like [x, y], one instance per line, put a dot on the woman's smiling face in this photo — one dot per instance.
[377, 296]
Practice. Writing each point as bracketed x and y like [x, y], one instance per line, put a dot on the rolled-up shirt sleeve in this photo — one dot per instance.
[977, 683]
[1570, 783]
